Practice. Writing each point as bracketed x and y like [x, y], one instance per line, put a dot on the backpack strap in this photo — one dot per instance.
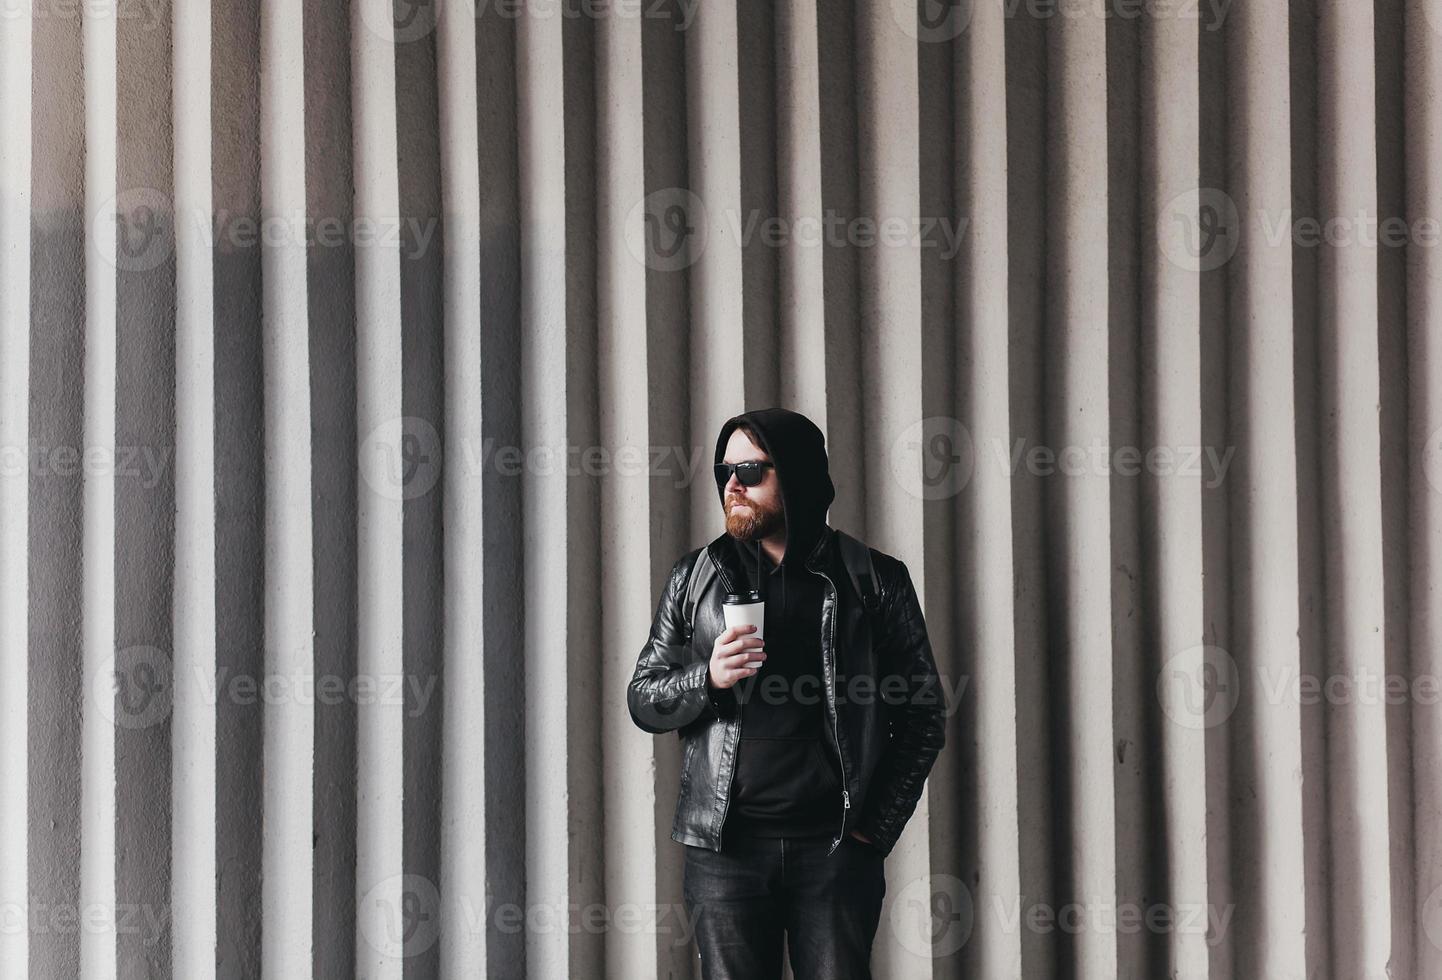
[859, 565]
[703, 570]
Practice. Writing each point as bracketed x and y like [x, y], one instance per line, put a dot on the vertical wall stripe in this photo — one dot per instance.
[1136, 761]
[558, 384]
[420, 234]
[642, 298]
[665, 90]
[1079, 499]
[289, 728]
[755, 78]
[800, 285]
[1308, 288]
[1207, 254]
[893, 347]
[1265, 586]
[840, 147]
[1389, 52]
[636, 766]
[1306, 293]
[194, 891]
[1424, 406]
[932, 240]
[1039, 681]
[716, 288]
[631, 866]
[503, 595]
[240, 482]
[144, 510]
[16, 112]
[1171, 373]
[380, 737]
[582, 563]
[51, 455]
[331, 305]
[98, 827]
[986, 631]
[461, 869]
[1348, 405]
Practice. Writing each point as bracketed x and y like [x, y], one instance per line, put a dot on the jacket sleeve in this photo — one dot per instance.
[916, 719]
[666, 692]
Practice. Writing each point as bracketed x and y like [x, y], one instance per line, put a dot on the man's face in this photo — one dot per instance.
[752, 513]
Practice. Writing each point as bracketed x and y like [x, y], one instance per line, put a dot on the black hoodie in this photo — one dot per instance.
[787, 780]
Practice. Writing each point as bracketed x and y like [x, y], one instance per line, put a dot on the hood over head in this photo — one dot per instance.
[798, 450]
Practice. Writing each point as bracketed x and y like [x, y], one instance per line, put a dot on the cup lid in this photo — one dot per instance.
[745, 598]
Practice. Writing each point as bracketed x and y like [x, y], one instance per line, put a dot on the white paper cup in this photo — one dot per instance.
[746, 610]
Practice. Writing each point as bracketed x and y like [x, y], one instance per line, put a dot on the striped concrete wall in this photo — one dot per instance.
[360, 363]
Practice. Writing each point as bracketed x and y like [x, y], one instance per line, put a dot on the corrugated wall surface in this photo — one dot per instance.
[359, 370]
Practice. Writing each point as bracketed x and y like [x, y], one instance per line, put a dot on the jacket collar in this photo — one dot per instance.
[728, 563]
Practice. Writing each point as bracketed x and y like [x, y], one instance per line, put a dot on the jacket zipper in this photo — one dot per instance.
[835, 722]
[726, 803]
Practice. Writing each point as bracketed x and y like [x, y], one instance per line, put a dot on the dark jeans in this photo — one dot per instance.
[745, 896]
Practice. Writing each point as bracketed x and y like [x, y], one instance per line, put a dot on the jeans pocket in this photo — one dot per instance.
[869, 850]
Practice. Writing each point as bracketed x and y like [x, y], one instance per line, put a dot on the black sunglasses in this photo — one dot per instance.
[750, 472]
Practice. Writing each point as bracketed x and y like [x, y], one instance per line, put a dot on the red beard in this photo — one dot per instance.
[752, 523]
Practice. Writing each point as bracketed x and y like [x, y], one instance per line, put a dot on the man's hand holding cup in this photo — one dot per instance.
[736, 655]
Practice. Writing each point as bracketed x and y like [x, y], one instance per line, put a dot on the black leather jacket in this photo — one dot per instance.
[887, 736]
